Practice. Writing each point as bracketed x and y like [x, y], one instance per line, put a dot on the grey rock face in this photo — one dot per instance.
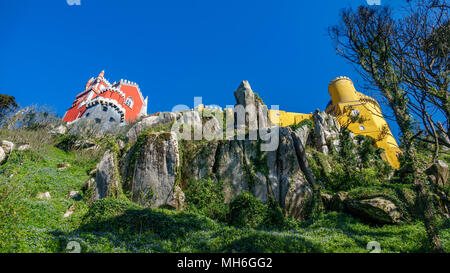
[154, 177]
[326, 129]
[153, 121]
[198, 161]
[300, 137]
[257, 114]
[242, 167]
[294, 189]
[230, 168]
[239, 164]
[302, 134]
[8, 146]
[106, 180]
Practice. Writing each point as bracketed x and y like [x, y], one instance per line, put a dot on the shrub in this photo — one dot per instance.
[302, 123]
[246, 211]
[206, 197]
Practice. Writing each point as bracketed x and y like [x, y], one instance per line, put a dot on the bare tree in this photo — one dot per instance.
[406, 60]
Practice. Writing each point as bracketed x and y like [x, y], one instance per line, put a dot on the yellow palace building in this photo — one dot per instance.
[361, 114]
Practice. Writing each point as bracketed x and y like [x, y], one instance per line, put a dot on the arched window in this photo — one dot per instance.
[129, 102]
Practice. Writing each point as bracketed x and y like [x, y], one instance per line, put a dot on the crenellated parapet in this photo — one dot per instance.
[121, 102]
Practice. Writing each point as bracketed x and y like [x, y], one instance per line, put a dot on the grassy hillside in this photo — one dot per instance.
[29, 224]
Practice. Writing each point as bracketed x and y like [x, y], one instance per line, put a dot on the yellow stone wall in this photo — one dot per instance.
[287, 118]
[361, 114]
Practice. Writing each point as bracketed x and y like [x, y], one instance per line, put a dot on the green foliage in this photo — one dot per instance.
[246, 211]
[206, 197]
[302, 123]
[274, 217]
[7, 106]
[66, 142]
[354, 165]
[29, 224]
[26, 222]
[121, 216]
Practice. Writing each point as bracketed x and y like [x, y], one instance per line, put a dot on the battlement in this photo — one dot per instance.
[120, 102]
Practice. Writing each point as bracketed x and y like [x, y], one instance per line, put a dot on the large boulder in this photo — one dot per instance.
[2, 155]
[24, 147]
[59, 130]
[107, 179]
[337, 201]
[163, 118]
[7, 146]
[154, 176]
[438, 173]
[377, 210]
[44, 195]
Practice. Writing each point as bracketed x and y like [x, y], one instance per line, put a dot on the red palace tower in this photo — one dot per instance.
[108, 104]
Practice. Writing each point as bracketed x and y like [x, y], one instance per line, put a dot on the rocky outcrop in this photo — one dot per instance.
[163, 118]
[44, 195]
[60, 130]
[198, 160]
[302, 135]
[376, 210]
[75, 195]
[152, 170]
[24, 147]
[337, 202]
[155, 171]
[438, 173]
[8, 146]
[107, 179]
[2, 155]
[326, 131]
[257, 114]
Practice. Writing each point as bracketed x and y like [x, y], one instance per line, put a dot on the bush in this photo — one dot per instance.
[205, 197]
[246, 211]
[302, 123]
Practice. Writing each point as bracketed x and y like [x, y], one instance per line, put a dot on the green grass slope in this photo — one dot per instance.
[29, 224]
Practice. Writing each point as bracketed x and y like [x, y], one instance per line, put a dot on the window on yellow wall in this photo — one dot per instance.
[362, 128]
[355, 112]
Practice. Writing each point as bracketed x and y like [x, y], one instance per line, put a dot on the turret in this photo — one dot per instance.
[341, 90]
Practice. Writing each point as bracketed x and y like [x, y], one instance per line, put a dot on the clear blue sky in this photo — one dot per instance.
[174, 50]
